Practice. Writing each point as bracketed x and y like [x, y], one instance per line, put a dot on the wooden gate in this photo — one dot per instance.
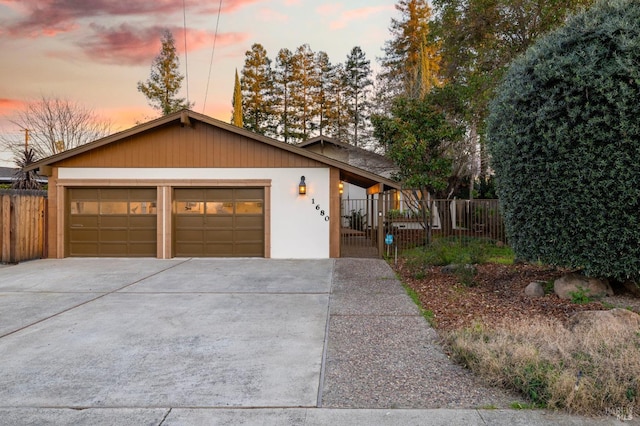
[22, 225]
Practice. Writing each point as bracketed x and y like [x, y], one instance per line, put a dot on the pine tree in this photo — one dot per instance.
[163, 85]
[324, 98]
[282, 87]
[410, 66]
[357, 81]
[256, 82]
[236, 118]
[304, 98]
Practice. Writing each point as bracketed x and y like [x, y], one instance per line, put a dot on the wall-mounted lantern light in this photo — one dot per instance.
[341, 187]
[302, 186]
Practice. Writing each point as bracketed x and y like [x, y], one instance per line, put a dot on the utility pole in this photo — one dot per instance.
[26, 139]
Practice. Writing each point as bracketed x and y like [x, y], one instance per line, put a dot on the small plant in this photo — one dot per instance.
[580, 296]
[465, 274]
[522, 406]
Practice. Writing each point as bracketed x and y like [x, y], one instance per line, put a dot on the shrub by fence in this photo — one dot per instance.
[22, 225]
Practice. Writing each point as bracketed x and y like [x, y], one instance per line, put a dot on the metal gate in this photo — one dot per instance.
[358, 228]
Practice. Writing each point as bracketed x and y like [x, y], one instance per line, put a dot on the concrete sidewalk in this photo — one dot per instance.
[207, 341]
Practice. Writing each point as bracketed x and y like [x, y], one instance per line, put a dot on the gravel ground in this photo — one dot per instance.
[383, 354]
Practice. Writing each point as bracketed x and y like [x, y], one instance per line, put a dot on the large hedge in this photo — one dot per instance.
[564, 134]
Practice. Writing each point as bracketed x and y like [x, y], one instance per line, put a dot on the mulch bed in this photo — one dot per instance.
[497, 295]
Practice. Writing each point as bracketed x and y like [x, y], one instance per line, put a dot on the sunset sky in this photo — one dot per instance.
[96, 51]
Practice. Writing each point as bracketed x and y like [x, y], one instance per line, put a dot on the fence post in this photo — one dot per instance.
[6, 228]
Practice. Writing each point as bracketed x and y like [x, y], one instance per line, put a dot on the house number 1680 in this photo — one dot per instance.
[322, 212]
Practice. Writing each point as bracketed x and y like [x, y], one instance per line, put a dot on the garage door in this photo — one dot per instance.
[218, 222]
[111, 222]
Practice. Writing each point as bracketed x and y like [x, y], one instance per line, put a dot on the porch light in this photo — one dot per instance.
[341, 187]
[302, 186]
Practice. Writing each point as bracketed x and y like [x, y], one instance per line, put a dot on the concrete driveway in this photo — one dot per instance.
[127, 333]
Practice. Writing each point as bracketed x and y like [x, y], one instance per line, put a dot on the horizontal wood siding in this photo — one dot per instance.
[201, 146]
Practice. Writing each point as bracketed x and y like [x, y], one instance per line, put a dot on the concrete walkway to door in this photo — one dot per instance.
[223, 341]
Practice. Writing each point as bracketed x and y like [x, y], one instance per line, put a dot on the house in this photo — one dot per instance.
[187, 185]
[354, 156]
[7, 175]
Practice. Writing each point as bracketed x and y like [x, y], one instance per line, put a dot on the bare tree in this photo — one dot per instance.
[54, 125]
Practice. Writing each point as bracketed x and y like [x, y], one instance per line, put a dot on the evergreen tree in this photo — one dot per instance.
[236, 118]
[565, 140]
[338, 117]
[410, 66]
[325, 101]
[357, 80]
[163, 85]
[256, 82]
[304, 96]
[282, 87]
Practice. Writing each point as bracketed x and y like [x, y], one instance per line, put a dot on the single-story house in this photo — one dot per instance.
[188, 185]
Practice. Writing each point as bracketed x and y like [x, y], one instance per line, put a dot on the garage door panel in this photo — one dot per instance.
[83, 235]
[249, 222]
[114, 235]
[142, 221]
[189, 249]
[219, 194]
[85, 249]
[141, 249]
[220, 236]
[249, 249]
[193, 235]
[218, 250]
[218, 222]
[84, 221]
[110, 221]
[189, 221]
[114, 249]
[249, 194]
[143, 235]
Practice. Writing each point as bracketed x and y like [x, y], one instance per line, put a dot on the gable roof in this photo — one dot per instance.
[355, 156]
[348, 172]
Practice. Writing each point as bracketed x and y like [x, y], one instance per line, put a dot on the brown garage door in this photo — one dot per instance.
[218, 222]
[111, 222]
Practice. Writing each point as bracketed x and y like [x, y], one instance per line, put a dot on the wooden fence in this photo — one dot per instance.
[22, 225]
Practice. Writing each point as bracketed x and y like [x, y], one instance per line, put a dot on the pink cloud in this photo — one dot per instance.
[9, 106]
[131, 45]
[51, 17]
[358, 14]
[229, 6]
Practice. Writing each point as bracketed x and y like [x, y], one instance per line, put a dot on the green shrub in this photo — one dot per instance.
[564, 136]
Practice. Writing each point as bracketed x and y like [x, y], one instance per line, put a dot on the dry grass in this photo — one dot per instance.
[590, 368]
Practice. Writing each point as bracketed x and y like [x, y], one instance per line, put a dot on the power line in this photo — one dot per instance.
[215, 37]
[186, 61]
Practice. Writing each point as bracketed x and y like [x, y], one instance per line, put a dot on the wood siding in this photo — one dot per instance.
[22, 227]
[201, 146]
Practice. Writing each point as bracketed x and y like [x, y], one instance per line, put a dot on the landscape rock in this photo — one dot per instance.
[605, 322]
[574, 282]
[454, 268]
[534, 289]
